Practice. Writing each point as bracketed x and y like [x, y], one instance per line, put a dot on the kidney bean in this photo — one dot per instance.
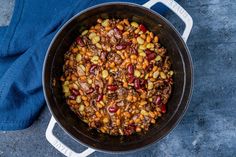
[72, 97]
[117, 33]
[148, 52]
[130, 69]
[163, 108]
[80, 42]
[91, 89]
[131, 78]
[149, 67]
[143, 83]
[112, 109]
[92, 69]
[158, 100]
[75, 92]
[142, 28]
[99, 98]
[137, 83]
[112, 87]
[128, 43]
[151, 56]
[120, 47]
[103, 56]
[133, 51]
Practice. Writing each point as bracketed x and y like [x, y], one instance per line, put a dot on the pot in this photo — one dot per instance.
[169, 38]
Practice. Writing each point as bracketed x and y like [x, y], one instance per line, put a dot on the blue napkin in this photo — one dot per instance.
[23, 45]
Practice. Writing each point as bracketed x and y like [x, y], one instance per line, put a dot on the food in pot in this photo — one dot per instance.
[117, 77]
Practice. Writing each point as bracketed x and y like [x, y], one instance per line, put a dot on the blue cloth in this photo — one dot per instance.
[23, 45]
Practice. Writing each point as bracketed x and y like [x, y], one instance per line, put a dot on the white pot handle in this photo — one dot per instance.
[62, 147]
[178, 10]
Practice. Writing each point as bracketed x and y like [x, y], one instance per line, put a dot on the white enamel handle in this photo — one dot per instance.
[62, 147]
[178, 10]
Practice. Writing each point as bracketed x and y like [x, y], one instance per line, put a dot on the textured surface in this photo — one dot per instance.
[209, 126]
[6, 9]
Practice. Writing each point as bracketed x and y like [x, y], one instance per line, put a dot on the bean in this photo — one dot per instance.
[163, 75]
[105, 23]
[155, 39]
[84, 32]
[151, 56]
[110, 80]
[105, 120]
[81, 108]
[148, 39]
[78, 57]
[126, 22]
[74, 92]
[97, 88]
[104, 73]
[99, 98]
[92, 69]
[72, 97]
[157, 100]
[144, 112]
[90, 90]
[120, 27]
[150, 85]
[131, 79]
[163, 108]
[112, 87]
[130, 69]
[151, 35]
[149, 67]
[75, 50]
[86, 103]
[112, 109]
[80, 42]
[127, 114]
[142, 28]
[143, 83]
[117, 122]
[91, 35]
[140, 40]
[137, 83]
[120, 47]
[99, 20]
[150, 45]
[155, 74]
[138, 129]
[78, 99]
[134, 24]
[84, 98]
[137, 73]
[95, 39]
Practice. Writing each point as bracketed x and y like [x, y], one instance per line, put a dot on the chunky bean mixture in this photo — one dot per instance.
[117, 77]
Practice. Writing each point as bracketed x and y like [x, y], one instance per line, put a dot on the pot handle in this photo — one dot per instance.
[178, 10]
[62, 147]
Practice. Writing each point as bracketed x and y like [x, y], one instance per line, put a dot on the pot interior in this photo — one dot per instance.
[169, 38]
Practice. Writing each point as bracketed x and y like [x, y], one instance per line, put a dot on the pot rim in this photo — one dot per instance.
[189, 95]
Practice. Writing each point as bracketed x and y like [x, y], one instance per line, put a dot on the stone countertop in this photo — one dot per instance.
[209, 126]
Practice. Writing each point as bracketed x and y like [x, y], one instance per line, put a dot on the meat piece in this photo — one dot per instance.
[121, 93]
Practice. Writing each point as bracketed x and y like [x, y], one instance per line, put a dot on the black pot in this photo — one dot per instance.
[169, 38]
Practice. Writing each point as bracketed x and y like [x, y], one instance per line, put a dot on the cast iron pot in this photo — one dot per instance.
[169, 38]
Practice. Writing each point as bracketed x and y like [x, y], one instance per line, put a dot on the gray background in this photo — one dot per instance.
[209, 126]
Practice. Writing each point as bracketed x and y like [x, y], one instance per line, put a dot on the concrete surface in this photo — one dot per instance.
[209, 126]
